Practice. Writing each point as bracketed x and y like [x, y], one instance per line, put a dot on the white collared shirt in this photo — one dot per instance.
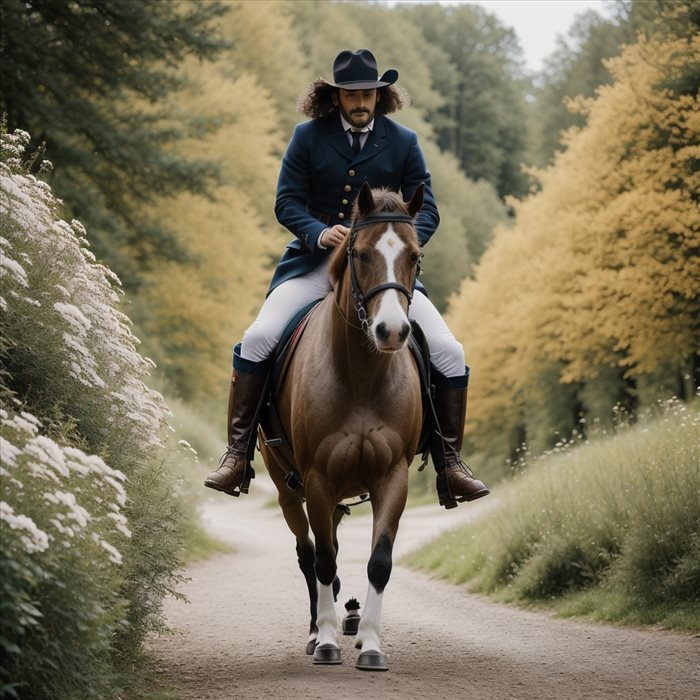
[348, 127]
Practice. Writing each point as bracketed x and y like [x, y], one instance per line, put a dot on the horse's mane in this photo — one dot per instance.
[384, 200]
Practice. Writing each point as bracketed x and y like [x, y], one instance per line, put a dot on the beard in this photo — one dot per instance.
[358, 118]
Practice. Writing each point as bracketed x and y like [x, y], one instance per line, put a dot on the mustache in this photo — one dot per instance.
[359, 111]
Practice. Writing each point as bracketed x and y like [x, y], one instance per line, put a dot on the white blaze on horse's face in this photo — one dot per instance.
[390, 324]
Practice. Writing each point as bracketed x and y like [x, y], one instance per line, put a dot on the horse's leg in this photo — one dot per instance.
[294, 514]
[388, 501]
[306, 554]
[338, 514]
[320, 509]
[295, 517]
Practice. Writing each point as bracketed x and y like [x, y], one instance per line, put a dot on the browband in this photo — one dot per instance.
[381, 218]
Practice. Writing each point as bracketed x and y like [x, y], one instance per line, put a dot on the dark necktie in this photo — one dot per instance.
[356, 142]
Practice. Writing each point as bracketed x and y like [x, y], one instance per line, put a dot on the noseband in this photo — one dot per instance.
[362, 298]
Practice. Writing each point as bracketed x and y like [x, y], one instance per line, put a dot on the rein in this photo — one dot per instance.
[362, 298]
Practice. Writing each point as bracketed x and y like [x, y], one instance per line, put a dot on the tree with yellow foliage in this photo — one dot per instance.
[193, 310]
[599, 278]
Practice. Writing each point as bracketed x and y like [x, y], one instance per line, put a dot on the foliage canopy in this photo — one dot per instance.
[87, 78]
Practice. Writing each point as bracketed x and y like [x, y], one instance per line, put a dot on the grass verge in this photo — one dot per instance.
[609, 530]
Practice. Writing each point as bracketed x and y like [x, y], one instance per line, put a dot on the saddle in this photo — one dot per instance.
[271, 429]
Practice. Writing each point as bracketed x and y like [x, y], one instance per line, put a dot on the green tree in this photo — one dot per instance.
[70, 73]
[575, 68]
[482, 116]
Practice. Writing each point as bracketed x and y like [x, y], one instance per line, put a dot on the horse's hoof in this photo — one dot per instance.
[371, 661]
[311, 646]
[327, 654]
[351, 623]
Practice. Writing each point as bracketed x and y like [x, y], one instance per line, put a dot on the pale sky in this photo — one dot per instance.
[536, 22]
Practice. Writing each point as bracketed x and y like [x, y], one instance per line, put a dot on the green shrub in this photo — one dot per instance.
[620, 514]
[62, 527]
[90, 534]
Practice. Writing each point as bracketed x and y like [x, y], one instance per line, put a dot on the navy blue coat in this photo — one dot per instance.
[320, 178]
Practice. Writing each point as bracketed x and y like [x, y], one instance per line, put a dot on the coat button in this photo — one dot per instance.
[351, 173]
[345, 201]
[347, 188]
[341, 215]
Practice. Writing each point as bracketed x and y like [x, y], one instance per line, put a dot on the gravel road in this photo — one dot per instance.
[243, 632]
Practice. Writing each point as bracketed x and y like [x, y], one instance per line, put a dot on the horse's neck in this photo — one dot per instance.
[361, 365]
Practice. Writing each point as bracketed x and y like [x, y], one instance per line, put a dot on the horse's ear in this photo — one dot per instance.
[365, 200]
[416, 201]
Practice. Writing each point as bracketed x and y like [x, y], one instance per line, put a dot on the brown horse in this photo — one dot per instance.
[351, 408]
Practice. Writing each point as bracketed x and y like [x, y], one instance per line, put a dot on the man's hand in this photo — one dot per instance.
[332, 237]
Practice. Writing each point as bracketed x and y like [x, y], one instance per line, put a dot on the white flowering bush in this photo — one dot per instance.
[62, 323]
[88, 522]
[61, 522]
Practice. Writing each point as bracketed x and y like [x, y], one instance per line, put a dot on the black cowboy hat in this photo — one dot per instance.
[358, 71]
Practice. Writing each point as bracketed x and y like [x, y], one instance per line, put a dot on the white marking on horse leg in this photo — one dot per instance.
[390, 310]
[371, 621]
[326, 620]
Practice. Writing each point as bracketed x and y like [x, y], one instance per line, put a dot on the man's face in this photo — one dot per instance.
[357, 106]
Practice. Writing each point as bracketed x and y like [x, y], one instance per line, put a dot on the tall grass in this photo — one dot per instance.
[612, 525]
[201, 443]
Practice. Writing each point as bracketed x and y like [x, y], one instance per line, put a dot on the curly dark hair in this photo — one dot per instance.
[316, 101]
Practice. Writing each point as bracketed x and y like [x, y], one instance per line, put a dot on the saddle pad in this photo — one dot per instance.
[288, 342]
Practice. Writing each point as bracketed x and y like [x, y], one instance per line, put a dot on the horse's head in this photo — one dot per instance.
[380, 260]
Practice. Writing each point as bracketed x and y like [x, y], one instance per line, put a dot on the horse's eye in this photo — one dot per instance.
[364, 257]
[415, 258]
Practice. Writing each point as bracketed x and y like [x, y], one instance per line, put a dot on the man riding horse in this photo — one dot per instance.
[348, 141]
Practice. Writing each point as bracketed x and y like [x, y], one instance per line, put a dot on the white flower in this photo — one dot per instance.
[75, 511]
[121, 522]
[14, 269]
[9, 453]
[114, 555]
[24, 422]
[48, 453]
[121, 493]
[33, 539]
[74, 316]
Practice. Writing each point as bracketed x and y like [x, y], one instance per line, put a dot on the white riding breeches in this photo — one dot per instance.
[262, 336]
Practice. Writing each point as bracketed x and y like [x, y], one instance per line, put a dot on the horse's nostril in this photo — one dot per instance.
[405, 329]
[382, 331]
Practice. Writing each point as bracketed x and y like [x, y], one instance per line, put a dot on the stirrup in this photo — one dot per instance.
[247, 476]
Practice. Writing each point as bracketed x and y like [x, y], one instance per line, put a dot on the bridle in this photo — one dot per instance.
[362, 298]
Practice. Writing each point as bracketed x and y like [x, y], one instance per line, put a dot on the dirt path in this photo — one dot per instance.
[243, 633]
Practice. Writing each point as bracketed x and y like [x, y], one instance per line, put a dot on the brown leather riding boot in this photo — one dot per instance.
[455, 481]
[234, 472]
